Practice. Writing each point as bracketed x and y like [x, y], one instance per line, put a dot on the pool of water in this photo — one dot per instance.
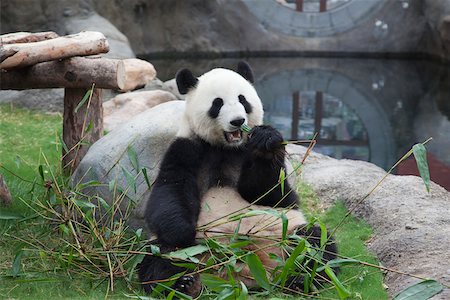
[366, 109]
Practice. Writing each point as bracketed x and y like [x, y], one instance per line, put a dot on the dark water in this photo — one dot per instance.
[366, 109]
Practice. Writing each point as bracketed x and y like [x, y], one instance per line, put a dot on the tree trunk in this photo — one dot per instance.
[81, 44]
[81, 72]
[82, 125]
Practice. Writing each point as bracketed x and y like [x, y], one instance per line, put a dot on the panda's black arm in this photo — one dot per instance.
[261, 170]
[173, 208]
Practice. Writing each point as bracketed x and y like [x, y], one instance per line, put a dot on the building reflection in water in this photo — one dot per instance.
[367, 109]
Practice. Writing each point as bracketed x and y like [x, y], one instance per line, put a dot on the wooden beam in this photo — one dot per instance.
[80, 72]
[26, 37]
[81, 127]
[80, 44]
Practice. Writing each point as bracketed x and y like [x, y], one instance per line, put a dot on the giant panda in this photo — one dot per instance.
[213, 169]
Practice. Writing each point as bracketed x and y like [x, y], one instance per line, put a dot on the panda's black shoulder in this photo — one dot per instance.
[186, 151]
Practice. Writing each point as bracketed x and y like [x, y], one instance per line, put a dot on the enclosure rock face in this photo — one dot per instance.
[411, 226]
[149, 135]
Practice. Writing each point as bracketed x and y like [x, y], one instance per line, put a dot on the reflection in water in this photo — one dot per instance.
[340, 132]
[369, 109]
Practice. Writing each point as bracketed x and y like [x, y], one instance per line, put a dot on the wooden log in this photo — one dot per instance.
[5, 195]
[4, 54]
[27, 37]
[80, 44]
[137, 73]
[80, 72]
[81, 127]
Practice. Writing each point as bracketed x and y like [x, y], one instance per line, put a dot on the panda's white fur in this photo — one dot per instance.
[227, 85]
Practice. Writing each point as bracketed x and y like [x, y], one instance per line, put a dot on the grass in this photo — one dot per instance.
[24, 137]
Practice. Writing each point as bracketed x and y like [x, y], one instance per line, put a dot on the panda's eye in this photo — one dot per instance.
[247, 106]
[215, 108]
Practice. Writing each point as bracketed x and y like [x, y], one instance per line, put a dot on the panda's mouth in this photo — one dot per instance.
[233, 137]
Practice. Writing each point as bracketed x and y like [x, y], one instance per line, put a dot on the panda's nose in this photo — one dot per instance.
[237, 122]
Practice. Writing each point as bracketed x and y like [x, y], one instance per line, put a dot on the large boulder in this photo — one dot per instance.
[109, 159]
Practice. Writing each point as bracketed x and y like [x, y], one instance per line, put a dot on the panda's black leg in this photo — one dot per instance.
[155, 269]
[313, 235]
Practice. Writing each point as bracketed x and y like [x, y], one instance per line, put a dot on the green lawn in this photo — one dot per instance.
[25, 138]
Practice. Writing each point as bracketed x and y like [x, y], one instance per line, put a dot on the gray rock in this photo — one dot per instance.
[149, 134]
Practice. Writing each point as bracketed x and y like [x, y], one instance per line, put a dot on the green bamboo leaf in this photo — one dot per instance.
[104, 203]
[290, 262]
[17, 264]
[10, 215]
[226, 293]
[281, 179]
[132, 156]
[144, 171]
[342, 291]
[63, 144]
[323, 235]
[84, 204]
[214, 282]
[284, 222]
[85, 97]
[64, 229]
[243, 295]
[339, 262]
[131, 182]
[91, 183]
[420, 291]
[155, 250]
[189, 253]
[258, 271]
[41, 172]
[420, 154]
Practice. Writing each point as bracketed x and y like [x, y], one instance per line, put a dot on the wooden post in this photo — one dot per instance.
[81, 128]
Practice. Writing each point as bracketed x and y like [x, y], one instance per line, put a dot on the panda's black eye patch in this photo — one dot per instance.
[215, 108]
[247, 106]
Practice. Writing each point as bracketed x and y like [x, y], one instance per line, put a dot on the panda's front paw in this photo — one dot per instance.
[189, 285]
[265, 140]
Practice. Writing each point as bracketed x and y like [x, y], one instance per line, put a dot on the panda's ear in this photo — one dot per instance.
[185, 81]
[244, 69]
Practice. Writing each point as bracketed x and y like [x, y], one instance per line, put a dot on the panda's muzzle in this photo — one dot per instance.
[233, 136]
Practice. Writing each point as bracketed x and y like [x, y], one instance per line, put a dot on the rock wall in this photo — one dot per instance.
[162, 28]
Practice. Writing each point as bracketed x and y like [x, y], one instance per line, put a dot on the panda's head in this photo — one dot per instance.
[218, 103]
